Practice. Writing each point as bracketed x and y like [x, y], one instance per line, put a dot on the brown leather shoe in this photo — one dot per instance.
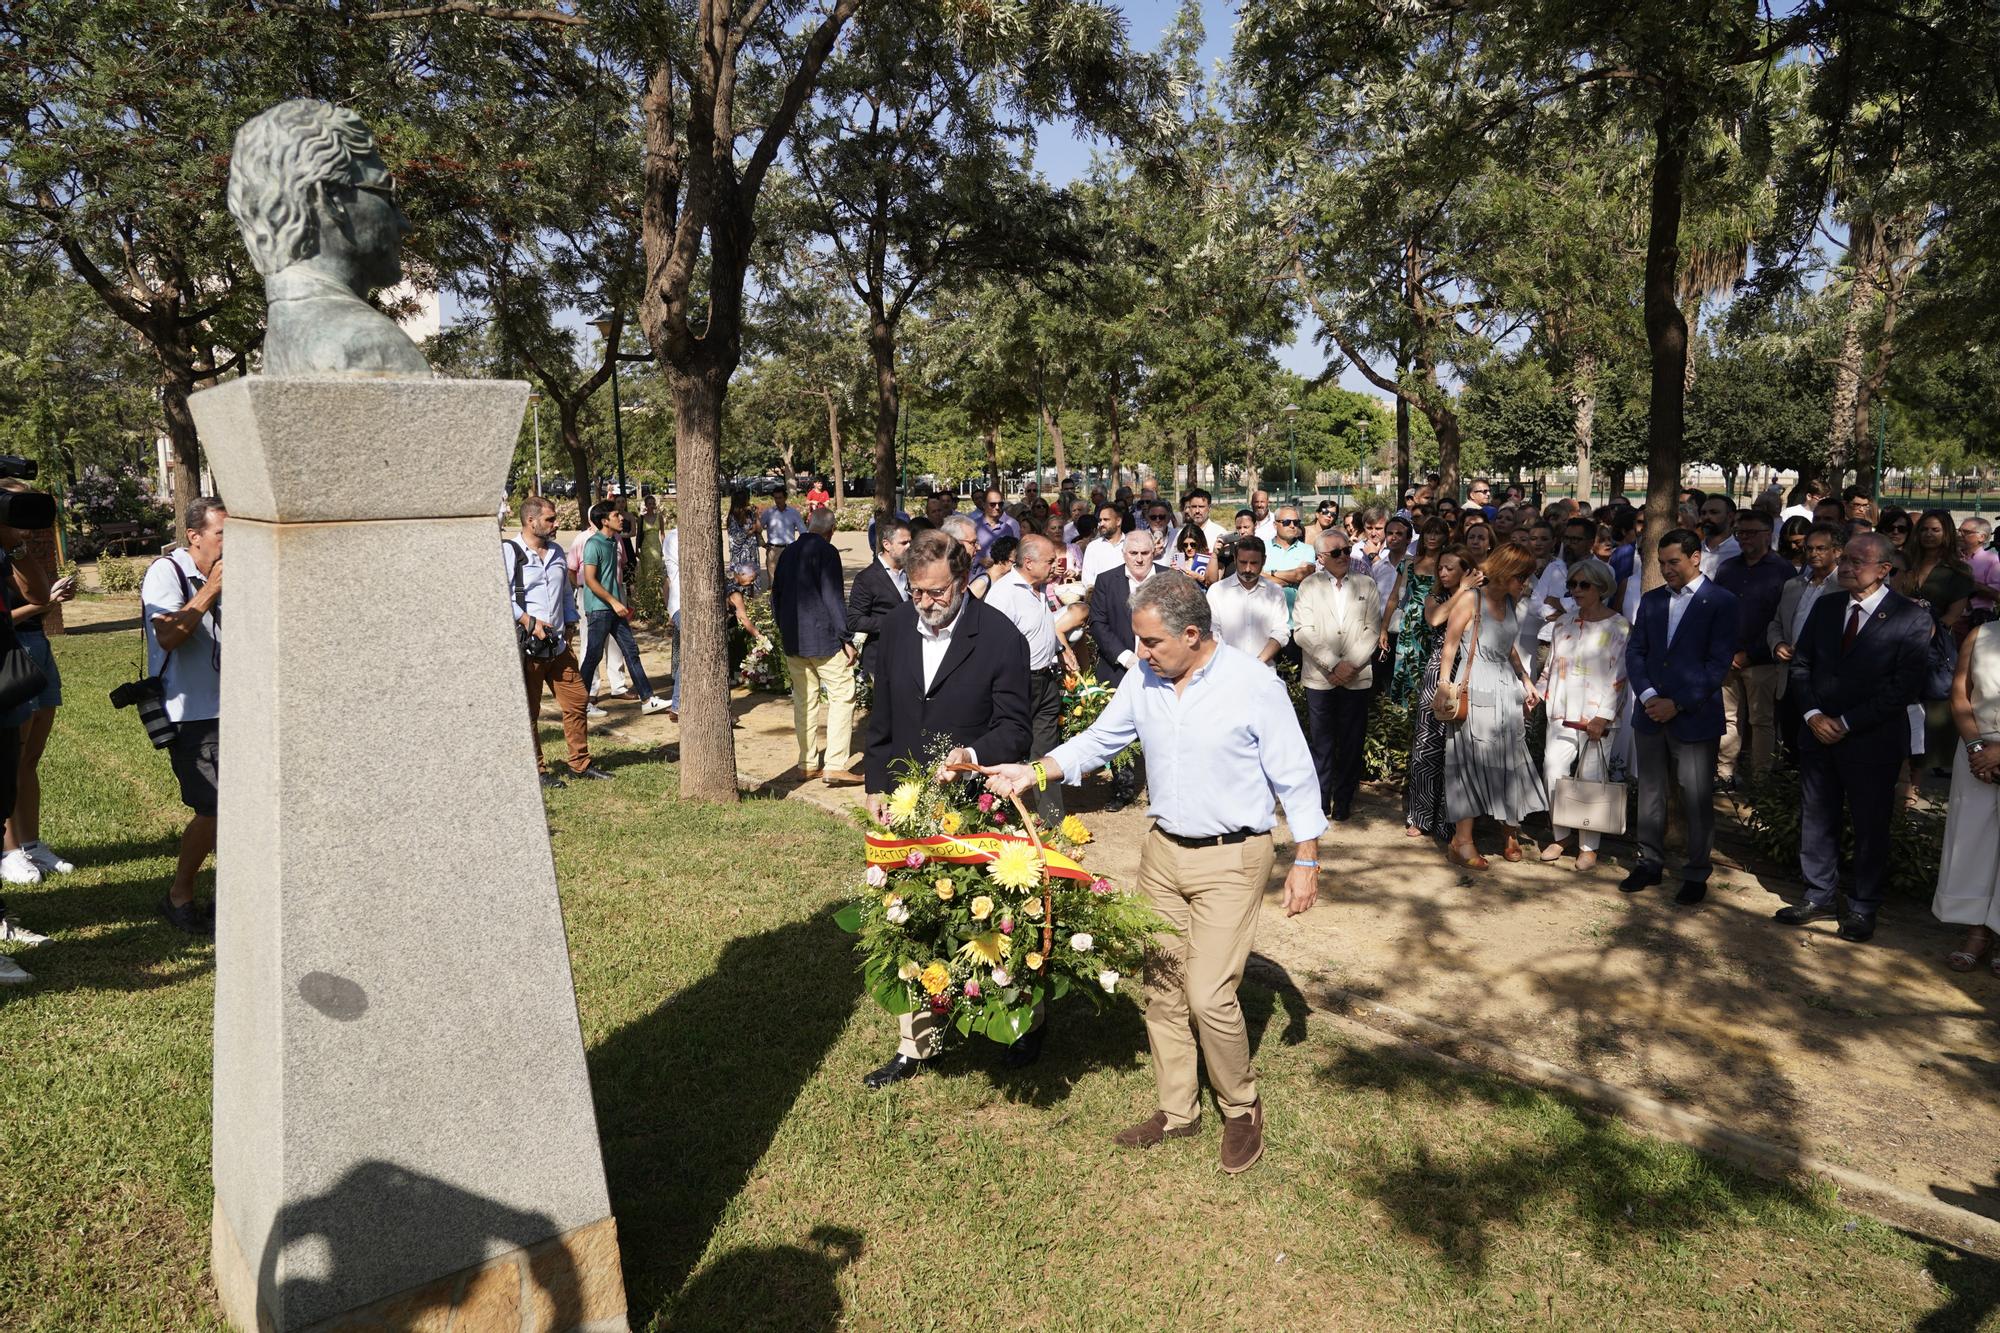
[1152, 1131]
[844, 777]
[1243, 1139]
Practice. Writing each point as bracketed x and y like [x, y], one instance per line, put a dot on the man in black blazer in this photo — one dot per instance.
[1855, 671]
[879, 589]
[955, 668]
[1111, 631]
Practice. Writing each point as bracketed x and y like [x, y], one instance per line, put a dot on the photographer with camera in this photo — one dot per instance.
[182, 608]
[546, 624]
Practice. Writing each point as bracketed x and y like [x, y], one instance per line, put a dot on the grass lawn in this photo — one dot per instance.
[757, 1185]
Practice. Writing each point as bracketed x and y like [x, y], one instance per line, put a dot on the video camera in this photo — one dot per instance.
[24, 509]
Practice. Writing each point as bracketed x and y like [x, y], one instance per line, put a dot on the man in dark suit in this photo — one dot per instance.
[878, 590]
[1855, 671]
[812, 626]
[1679, 652]
[955, 668]
[1111, 631]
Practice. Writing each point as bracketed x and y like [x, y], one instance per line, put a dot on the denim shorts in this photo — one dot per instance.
[37, 644]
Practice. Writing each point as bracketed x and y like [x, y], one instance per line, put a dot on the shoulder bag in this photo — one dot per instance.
[534, 649]
[1581, 804]
[1453, 699]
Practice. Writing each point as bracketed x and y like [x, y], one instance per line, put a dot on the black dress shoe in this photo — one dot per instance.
[1802, 915]
[553, 783]
[1341, 815]
[1692, 892]
[1857, 929]
[1115, 804]
[1637, 878]
[899, 1068]
[1027, 1048]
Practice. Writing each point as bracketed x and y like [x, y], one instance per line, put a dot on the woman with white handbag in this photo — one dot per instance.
[1584, 683]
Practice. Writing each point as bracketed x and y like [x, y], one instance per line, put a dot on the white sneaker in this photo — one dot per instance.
[13, 932]
[16, 868]
[594, 711]
[46, 860]
[12, 974]
[654, 705]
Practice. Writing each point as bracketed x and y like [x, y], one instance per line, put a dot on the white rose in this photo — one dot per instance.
[1069, 594]
[908, 971]
[1081, 942]
[1001, 977]
[1109, 980]
[876, 877]
[898, 913]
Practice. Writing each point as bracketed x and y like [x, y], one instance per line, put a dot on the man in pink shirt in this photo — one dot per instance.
[1972, 537]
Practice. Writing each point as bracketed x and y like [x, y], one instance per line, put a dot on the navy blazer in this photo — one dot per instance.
[873, 598]
[1689, 672]
[1870, 685]
[806, 598]
[979, 697]
[1111, 620]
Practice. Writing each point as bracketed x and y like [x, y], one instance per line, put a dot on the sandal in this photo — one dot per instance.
[1412, 831]
[1977, 942]
[1470, 858]
[1512, 851]
[1586, 860]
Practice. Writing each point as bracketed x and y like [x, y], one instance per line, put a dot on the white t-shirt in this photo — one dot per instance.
[784, 526]
[192, 674]
[1099, 556]
[670, 557]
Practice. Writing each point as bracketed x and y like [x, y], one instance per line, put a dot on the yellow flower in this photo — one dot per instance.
[1033, 907]
[989, 948]
[935, 978]
[982, 907]
[1015, 866]
[1034, 962]
[948, 822]
[891, 899]
[1073, 829]
[903, 801]
[945, 889]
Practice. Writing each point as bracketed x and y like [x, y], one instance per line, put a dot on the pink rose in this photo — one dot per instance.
[1100, 885]
[915, 859]
[999, 816]
[987, 800]
[972, 991]
[1007, 926]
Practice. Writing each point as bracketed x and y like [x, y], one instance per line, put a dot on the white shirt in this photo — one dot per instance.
[1712, 560]
[1795, 511]
[1099, 556]
[782, 527]
[1677, 604]
[896, 576]
[670, 556]
[1553, 583]
[1216, 752]
[1383, 570]
[1014, 597]
[190, 675]
[1244, 618]
[934, 644]
[1267, 527]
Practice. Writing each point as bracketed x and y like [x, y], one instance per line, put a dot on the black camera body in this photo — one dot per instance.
[149, 696]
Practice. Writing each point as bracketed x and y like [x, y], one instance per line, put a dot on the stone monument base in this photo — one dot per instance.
[567, 1284]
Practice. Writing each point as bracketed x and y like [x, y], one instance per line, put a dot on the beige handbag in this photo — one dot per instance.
[1453, 699]
[1596, 806]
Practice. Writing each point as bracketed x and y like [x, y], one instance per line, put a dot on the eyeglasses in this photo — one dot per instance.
[931, 594]
[1288, 523]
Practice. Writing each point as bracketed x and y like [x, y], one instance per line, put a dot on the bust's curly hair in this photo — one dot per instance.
[280, 154]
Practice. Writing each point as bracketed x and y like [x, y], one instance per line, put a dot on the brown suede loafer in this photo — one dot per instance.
[1152, 1131]
[1243, 1139]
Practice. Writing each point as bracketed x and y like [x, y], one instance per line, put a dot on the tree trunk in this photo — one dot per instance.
[184, 467]
[1891, 283]
[1666, 331]
[1056, 447]
[1402, 442]
[1193, 460]
[888, 408]
[1614, 479]
[993, 456]
[708, 749]
[1842, 433]
[1117, 443]
[1583, 399]
[579, 455]
[833, 441]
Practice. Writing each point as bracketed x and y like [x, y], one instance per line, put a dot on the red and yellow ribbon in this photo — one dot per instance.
[972, 849]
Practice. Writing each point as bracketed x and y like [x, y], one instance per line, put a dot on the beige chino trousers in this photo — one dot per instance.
[837, 674]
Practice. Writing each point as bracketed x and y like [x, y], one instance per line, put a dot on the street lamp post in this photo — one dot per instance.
[1292, 438]
[606, 325]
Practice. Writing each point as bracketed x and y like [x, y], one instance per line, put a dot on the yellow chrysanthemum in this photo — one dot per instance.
[989, 948]
[945, 889]
[982, 907]
[1034, 962]
[891, 899]
[1033, 907]
[903, 801]
[1015, 867]
[935, 978]
[948, 823]
[1073, 829]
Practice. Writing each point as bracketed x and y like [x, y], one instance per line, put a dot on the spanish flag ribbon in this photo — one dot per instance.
[972, 849]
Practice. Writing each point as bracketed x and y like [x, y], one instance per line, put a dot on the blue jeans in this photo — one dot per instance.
[608, 623]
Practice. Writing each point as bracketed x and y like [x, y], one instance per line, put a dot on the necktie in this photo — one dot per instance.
[1853, 626]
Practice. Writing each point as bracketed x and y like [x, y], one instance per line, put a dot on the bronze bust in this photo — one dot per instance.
[317, 209]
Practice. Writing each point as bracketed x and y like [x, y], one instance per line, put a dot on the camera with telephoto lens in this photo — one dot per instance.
[1225, 553]
[150, 698]
[24, 509]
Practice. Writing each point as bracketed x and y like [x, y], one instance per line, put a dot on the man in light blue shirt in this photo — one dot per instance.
[1221, 741]
[537, 575]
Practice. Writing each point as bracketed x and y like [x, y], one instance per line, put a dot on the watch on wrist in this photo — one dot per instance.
[1974, 747]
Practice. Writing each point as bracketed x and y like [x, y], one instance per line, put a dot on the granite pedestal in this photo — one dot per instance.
[404, 1135]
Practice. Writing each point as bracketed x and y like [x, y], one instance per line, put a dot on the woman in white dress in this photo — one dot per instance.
[1968, 887]
[1584, 683]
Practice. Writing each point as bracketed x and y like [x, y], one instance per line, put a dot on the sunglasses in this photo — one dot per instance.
[1335, 553]
[1899, 527]
[1577, 585]
[1288, 523]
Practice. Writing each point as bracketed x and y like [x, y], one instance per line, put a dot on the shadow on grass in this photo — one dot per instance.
[1616, 1189]
[690, 1096]
[131, 947]
[780, 1287]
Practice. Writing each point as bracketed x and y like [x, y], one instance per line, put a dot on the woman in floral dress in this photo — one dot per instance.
[1414, 584]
